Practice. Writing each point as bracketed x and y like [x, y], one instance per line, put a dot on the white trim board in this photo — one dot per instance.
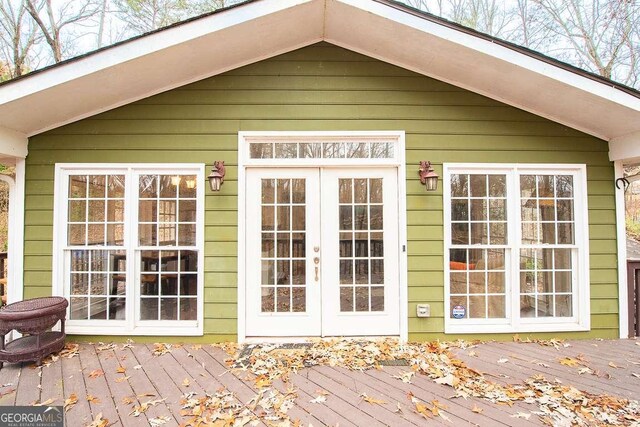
[621, 239]
[244, 162]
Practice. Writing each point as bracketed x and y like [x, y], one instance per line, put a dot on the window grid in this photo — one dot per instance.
[540, 267]
[168, 284]
[479, 251]
[283, 255]
[167, 205]
[98, 279]
[321, 150]
[166, 211]
[95, 210]
[361, 249]
[547, 261]
[95, 272]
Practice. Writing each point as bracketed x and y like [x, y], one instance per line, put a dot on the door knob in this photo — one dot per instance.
[316, 261]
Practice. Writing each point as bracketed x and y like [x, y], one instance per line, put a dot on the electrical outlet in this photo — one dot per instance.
[423, 310]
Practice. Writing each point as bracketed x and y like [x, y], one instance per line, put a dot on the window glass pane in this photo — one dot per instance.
[260, 151]
[547, 209]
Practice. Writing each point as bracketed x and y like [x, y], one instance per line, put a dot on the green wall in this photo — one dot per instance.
[323, 87]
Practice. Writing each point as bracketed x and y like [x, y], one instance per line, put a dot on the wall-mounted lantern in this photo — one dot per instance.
[216, 177]
[427, 176]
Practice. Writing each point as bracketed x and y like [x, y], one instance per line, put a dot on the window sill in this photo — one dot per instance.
[186, 331]
[522, 328]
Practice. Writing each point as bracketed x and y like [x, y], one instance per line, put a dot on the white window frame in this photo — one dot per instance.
[130, 326]
[580, 321]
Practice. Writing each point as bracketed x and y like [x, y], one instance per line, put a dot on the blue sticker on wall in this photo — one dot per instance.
[458, 312]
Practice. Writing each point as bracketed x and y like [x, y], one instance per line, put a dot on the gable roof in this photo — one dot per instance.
[382, 29]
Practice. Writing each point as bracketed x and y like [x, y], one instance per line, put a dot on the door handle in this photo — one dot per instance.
[316, 261]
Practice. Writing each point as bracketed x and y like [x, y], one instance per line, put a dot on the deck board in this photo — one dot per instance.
[206, 367]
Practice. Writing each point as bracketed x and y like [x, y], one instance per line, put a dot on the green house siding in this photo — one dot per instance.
[323, 87]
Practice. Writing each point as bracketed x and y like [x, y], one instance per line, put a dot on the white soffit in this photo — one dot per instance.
[377, 30]
[159, 62]
[262, 29]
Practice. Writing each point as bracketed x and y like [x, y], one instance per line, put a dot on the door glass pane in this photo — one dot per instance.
[361, 252]
[283, 255]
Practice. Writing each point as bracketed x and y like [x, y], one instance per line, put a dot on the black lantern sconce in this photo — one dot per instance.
[216, 177]
[427, 176]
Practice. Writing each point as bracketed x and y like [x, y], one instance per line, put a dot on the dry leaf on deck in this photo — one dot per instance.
[569, 361]
[319, 399]
[473, 354]
[99, 421]
[122, 379]
[503, 360]
[161, 420]
[613, 365]
[96, 373]
[405, 377]
[635, 375]
[186, 382]
[121, 370]
[477, 410]
[137, 367]
[371, 400]
[128, 400]
[70, 401]
[448, 380]
[521, 415]
[92, 399]
[45, 403]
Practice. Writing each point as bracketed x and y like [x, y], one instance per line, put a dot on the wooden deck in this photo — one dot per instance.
[113, 380]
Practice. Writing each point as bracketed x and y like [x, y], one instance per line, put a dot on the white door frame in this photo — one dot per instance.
[398, 161]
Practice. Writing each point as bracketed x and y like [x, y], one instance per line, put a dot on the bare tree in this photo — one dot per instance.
[18, 36]
[51, 23]
[599, 35]
[141, 16]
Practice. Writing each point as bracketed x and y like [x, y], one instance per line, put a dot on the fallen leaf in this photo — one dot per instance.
[613, 365]
[99, 421]
[569, 361]
[521, 415]
[473, 354]
[45, 403]
[121, 370]
[448, 380]
[477, 410]
[405, 377]
[96, 373]
[635, 375]
[70, 401]
[186, 382]
[544, 365]
[137, 367]
[122, 379]
[371, 400]
[161, 420]
[319, 399]
[128, 400]
[585, 371]
[92, 399]
[503, 360]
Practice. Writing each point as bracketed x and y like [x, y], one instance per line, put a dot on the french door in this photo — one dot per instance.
[322, 252]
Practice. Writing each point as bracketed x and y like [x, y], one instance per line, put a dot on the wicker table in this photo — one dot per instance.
[33, 318]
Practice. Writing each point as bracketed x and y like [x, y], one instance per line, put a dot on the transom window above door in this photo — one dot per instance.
[128, 248]
[326, 148]
[516, 240]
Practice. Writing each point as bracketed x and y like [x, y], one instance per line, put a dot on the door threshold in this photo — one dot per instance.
[303, 340]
